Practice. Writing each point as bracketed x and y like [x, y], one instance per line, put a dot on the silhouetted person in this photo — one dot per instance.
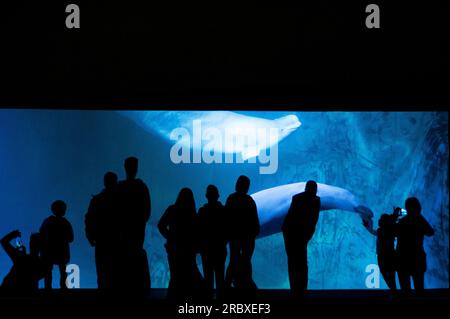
[410, 231]
[213, 242]
[243, 227]
[298, 228]
[27, 269]
[56, 233]
[135, 209]
[102, 231]
[386, 254]
[178, 225]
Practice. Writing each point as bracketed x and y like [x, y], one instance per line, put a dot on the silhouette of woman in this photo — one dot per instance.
[410, 232]
[178, 225]
[386, 255]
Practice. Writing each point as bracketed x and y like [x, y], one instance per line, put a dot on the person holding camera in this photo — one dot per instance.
[410, 231]
[27, 269]
[386, 255]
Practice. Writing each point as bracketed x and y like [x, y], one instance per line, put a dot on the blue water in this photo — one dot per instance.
[381, 157]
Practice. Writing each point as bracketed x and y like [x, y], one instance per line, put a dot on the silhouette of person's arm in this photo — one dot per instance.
[196, 235]
[202, 225]
[318, 204]
[164, 222]
[90, 222]
[254, 213]
[147, 204]
[222, 231]
[228, 220]
[6, 244]
[70, 236]
[311, 208]
[288, 220]
[43, 230]
[427, 229]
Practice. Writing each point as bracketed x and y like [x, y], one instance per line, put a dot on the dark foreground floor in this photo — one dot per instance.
[263, 304]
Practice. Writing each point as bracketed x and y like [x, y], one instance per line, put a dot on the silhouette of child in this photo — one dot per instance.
[213, 242]
[56, 233]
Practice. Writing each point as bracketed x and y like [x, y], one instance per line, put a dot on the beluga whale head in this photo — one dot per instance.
[219, 136]
[287, 124]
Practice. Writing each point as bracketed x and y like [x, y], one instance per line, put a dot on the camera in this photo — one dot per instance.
[19, 242]
[400, 212]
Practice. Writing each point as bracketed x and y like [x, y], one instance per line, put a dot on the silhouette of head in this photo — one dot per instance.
[131, 167]
[185, 200]
[413, 207]
[242, 184]
[110, 180]
[311, 187]
[35, 244]
[212, 193]
[59, 208]
[383, 221]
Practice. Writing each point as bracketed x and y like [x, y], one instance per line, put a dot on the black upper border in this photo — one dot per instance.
[316, 55]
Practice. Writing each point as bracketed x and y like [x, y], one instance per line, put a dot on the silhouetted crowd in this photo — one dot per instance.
[115, 225]
[187, 233]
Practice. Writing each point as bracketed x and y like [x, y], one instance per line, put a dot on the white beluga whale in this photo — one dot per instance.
[220, 132]
[273, 204]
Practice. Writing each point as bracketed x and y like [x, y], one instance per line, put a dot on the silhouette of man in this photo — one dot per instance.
[27, 269]
[298, 228]
[410, 231]
[56, 233]
[386, 254]
[243, 228]
[212, 223]
[135, 209]
[101, 227]
[179, 226]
